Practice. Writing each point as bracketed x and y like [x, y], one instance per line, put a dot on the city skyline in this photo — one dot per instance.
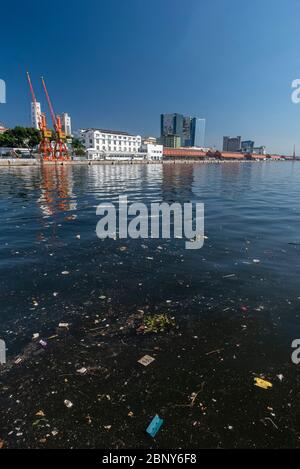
[241, 83]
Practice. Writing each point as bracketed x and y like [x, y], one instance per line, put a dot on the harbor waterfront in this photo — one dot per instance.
[73, 309]
[36, 162]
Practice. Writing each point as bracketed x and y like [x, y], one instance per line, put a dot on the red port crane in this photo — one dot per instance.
[45, 148]
[60, 150]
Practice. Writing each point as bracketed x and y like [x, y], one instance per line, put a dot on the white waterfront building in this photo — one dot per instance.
[105, 144]
[152, 151]
[36, 115]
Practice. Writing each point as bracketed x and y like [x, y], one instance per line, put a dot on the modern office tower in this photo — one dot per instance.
[190, 130]
[187, 127]
[167, 124]
[247, 146]
[170, 141]
[171, 124]
[197, 132]
[232, 143]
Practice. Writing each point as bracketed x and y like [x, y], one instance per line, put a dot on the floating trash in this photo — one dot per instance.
[63, 325]
[81, 371]
[154, 426]
[146, 360]
[261, 383]
[68, 403]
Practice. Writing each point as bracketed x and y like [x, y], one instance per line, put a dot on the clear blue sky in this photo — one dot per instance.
[120, 63]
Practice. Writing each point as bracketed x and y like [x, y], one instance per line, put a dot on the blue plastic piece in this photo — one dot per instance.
[154, 426]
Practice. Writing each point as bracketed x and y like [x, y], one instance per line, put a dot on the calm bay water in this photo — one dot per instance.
[252, 212]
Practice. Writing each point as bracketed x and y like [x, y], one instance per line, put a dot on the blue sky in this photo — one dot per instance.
[120, 63]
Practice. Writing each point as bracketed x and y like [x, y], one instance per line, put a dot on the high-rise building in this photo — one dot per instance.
[197, 132]
[187, 138]
[66, 124]
[171, 124]
[232, 143]
[190, 130]
[170, 141]
[247, 146]
[35, 115]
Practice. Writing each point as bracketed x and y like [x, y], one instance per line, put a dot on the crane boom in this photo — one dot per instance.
[45, 148]
[49, 104]
[31, 88]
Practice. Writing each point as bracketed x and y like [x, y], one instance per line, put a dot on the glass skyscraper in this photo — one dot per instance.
[197, 132]
[191, 130]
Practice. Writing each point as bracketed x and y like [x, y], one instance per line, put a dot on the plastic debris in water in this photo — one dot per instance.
[36, 335]
[154, 426]
[65, 272]
[81, 371]
[43, 343]
[68, 403]
[63, 325]
[261, 383]
[256, 261]
[146, 360]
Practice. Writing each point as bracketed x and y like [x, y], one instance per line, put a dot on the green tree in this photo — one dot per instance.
[78, 147]
[20, 137]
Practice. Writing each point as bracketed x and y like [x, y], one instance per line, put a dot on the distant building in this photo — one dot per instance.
[190, 130]
[152, 151]
[171, 124]
[259, 150]
[66, 124]
[197, 132]
[149, 140]
[247, 146]
[2, 129]
[35, 115]
[232, 144]
[170, 141]
[101, 143]
[187, 137]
